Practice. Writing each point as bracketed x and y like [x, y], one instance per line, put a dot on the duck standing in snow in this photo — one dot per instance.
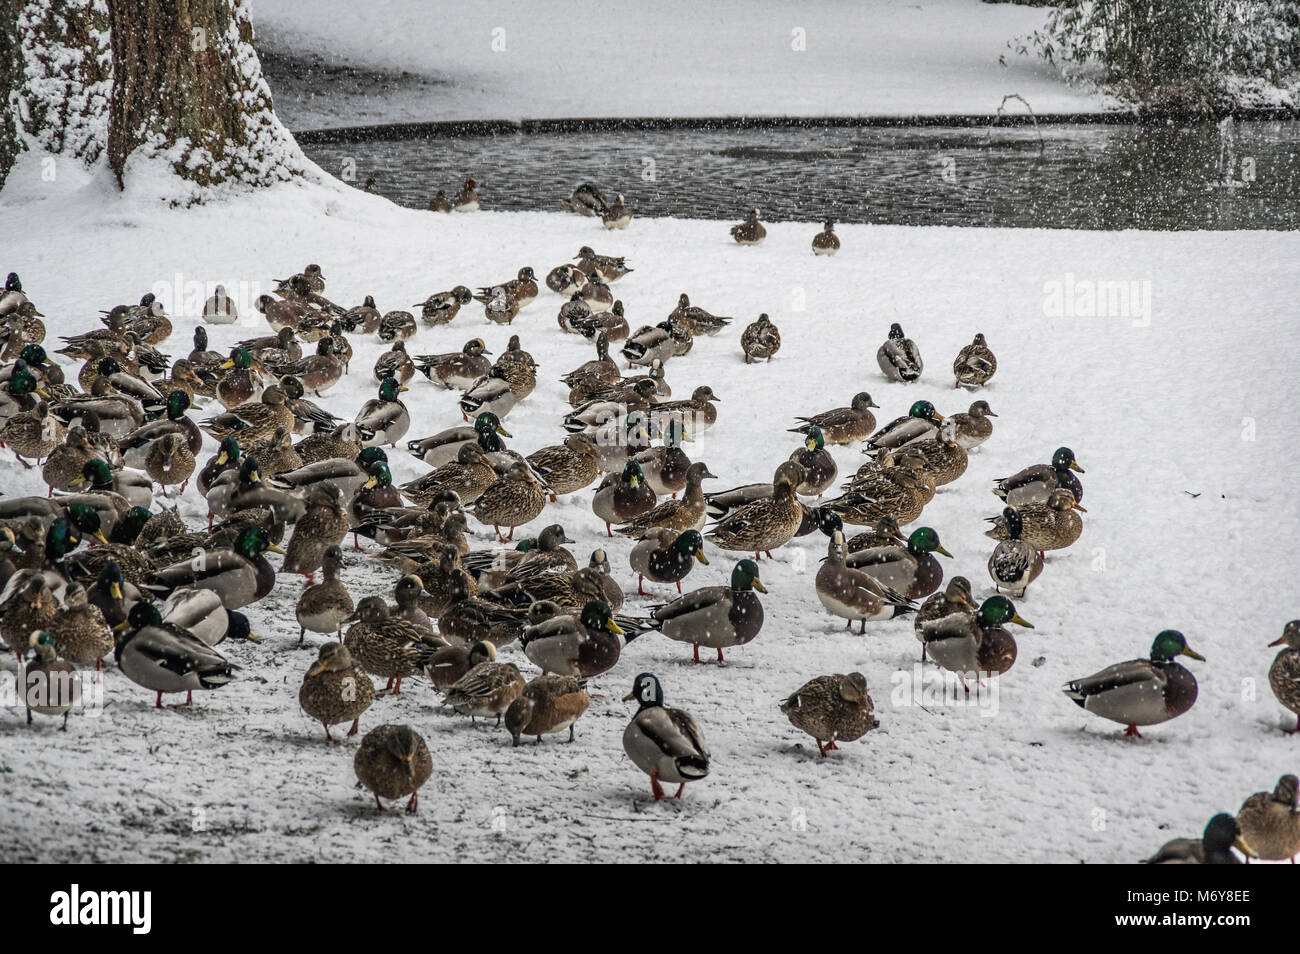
[975, 364]
[831, 708]
[750, 231]
[665, 743]
[1284, 674]
[1141, 691]
[899, 357]
[826, 242]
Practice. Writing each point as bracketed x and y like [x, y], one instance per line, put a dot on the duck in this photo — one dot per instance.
[440, 202]
[826, 242]
[493, 393]
[449, 664]
[974, 365]
[603, 368]
[277, 453]
[761, 339]
[956, 597]
[666, 556]
[609, 267]
[1141, 692]
[883, 533]
[486, 690]
[582, 646]
[622, 497]
[611, 323]
[695, 319]
[1034, 485]
[899, 357]
[853, 594]
[33, 434]
[324, 525]
[697, 413]
[1214, 847]
[240, 574]
[842, 425]
[603, 412]
[17, 395]
[1014, 564]
[716, 617]
[688, 513]
[512, 500]
[613, 591]
[336, 690]
[220, 308]
[456, 369]
[1054, 526]
[444, 447]
[247, 490]
[665, 467]
[317, 373]
[162, 657]
[911, 570]
[1270, 821]
[764, 524]
[548, 704]
[586, 199]
[255, 420]
[832, 708]
[66, 462]
[396, 326]
[974, 426]
[387, 646]
[240, 384]
[468, 619]
[1284, 674]
[26, 604]
[202, 614]
[13, 294]
[665, 743]
[819, 466]
[441, 307]
[125, 488]
[377, 493]
[567, 467]
[749, 232]
[522, 288]
[618, 215]
[53, 684]
[657, 343]
[971, 644]
[942, 456]
[566, 280]
[468, 199]
[393, 761]
[324, 606]
[80, 633]
[469, 475]
[384, 419]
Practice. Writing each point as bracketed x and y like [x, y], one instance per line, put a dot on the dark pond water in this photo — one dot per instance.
[1245, 175]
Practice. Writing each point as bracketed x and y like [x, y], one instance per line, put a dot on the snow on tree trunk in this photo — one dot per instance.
[188, 93]
[56, 75]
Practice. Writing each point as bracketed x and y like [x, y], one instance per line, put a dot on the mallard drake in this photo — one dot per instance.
[831, 708]
[664, 743]
[456, 369]
[443, 447]
[911, 570]
[767, 523]
[666, 556]
[819, 466]
[468, 199]
[717, 617]
[657, 343]
[618, 215]
[1034, 485]
[695, 319]
[323, 526]
[843, 425]
[393, 761]
[384, 419]
[975, 364]
[335, 690]
[80, 633]
[696, 414]
[377, 493]
[974, 426]
[128, 488]
[899, 357]
[567, 467]
[853, 594]
[1284, 674]
[13, 294]
[254, 421]
[387, 646]
[761, 339]
[548, 704]
[17, 395]
[441, 307]
[512, 501]
[240, 574]
[1270, 821]
[749, 232]
[1140, 691]
[1051, 527]
[1014, 563]
[52, 685]
[954, 598]
[582, 645]
[1214, 847]
[163, 658]
[240, 384]
[486, 690]
[622, 497]
[323, 607]
[970, 644]
[33, 433]
[826, 242]
[941, 456]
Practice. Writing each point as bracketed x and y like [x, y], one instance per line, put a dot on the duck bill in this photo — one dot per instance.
[614, 628]
[316, 669]
[1240, 844]
[254, 639]
[940, 549]
[503, 432]
[629, 697]
[758, 585]
[1074, 465]
[99, 535]
[699, 555]
[1189, 651]
[275, 548]
[115, 591]
[1079, 508]
[1021, 621]
[227, 364]
[1281, 640]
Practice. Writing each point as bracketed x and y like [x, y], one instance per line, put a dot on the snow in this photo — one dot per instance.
[1187, 402]
[441, 61]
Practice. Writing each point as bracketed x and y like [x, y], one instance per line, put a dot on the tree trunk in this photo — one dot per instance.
[188, 91]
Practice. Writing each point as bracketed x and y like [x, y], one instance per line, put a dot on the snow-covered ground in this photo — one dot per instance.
[1181, 417]
[410, 60]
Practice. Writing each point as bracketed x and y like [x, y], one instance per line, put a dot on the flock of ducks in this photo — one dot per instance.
[101, 565]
